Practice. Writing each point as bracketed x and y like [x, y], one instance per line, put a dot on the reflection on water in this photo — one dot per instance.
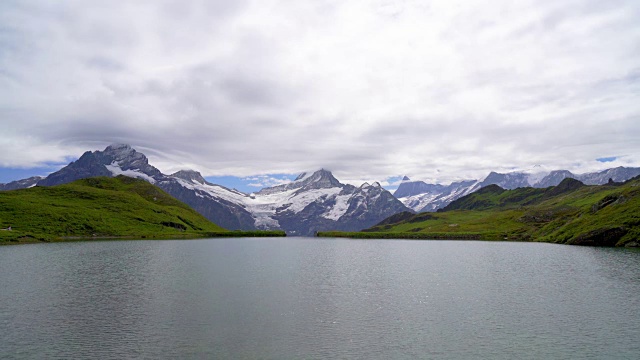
[318, 298]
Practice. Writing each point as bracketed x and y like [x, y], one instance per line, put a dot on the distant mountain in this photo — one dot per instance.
[619, 174]
[554, 178]
[21, 184]
[408, 188]
[422, 197]
[313, 202]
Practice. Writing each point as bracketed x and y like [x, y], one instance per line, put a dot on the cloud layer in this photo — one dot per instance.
[368, 89]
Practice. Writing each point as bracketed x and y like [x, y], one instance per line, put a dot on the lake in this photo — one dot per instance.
[295, 298]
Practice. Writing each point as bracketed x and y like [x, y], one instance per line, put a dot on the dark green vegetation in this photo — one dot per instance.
[102, 207]
[570, 213]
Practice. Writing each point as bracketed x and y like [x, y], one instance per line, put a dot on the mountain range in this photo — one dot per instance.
[312, 202]
[423, 197]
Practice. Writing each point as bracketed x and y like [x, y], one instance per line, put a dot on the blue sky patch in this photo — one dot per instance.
[12, 174]
[607, 159]
[251, 184]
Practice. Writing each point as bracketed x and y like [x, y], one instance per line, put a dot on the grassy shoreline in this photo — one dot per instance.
[17, 237]
[448, 236]
[419, 236]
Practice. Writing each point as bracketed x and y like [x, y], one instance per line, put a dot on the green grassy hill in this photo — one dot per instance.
[101, 207]
[570, 213]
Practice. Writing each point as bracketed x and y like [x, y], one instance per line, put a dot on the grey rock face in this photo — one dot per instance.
[189, 175]
[554, 178]
[408, 188]
[129, 159]
[506, 181]
[90, 164]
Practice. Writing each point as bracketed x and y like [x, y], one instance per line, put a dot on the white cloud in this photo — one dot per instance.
[368, 89]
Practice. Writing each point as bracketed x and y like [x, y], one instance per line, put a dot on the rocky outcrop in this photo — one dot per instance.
[600, 237]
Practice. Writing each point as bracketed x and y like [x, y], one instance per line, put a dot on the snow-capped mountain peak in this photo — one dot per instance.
[125, 160]
[320, 179]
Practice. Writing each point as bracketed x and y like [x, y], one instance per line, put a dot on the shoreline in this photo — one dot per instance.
[27, 238]
[453, 236]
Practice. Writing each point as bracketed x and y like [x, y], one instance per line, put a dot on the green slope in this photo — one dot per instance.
[101, 208]
[570, 213]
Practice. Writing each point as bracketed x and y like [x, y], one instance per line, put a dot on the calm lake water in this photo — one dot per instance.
[294, 298]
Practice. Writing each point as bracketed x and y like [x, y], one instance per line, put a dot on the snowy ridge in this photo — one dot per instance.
[433, 197]
[316, 196]
[340, 208]
[264, 205]
[212, 190]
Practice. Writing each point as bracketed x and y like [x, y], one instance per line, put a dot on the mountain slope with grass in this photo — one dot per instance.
[100, 207]
[569, 213]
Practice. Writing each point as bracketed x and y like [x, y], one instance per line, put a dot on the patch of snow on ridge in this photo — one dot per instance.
[117, 170]
[214, 191]
[417, 202]
[301, 200]
[339, 209]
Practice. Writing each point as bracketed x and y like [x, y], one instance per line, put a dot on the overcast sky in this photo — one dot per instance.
[372, 89]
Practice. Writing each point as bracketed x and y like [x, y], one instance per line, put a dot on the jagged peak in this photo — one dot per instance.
[324, 177]
[190, 175]
[406, 178]
[323, 172]
[118, 146]
[122, 152]
[366, 185]
[314, 176]
[317, 180]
